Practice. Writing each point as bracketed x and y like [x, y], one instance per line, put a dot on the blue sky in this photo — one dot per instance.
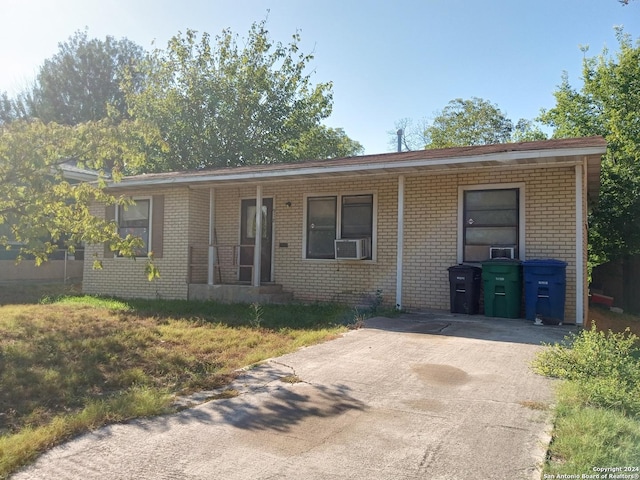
[387, 59]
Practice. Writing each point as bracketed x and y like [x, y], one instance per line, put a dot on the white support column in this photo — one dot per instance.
[579, 247]
[212, 237]
[400, 243]
[257, 252]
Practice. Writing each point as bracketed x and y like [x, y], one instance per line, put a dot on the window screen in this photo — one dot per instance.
[490, 219]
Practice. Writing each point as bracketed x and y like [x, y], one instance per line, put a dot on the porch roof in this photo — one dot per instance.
[569, 151]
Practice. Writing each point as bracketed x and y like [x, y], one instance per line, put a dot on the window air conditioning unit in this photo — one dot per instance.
[501, 252]
[351, 248]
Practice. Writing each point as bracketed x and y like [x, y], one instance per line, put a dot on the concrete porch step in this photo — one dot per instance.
[264, 294]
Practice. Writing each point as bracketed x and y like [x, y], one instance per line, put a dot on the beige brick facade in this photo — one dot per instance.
[430, 237]
[124, 277]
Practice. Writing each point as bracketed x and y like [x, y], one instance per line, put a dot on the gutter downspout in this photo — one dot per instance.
[212, 227]
[400, 243]
[580, 286]
[257, 249]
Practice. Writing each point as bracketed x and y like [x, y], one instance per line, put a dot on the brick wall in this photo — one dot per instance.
[329, 280]
[431, 230]
[198, 236]
[124, 277]
[431, 235]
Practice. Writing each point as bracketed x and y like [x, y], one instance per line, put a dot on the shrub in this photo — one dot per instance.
[604, 365]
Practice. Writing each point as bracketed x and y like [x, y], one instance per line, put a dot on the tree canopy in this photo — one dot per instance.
[222, 102]
[80, 82]
[607, 104]
[466, 122]
[110, 107]
[40, 207]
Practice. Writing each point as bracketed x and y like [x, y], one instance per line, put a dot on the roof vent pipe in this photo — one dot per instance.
[399, 132]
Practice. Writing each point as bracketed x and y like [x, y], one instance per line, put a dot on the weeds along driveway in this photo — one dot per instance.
[432, 396]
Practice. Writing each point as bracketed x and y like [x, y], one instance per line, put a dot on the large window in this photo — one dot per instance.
[326, 222]
[490, 219]
[134, 220]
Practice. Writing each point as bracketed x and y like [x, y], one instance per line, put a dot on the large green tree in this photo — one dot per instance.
[39, 209]
[84, 79]
[466, 122]
[80, 83]
[224, 101]
[608, 104]
[322, 142]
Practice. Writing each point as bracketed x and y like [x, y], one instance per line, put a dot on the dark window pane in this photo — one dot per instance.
[321, 227]
[322, 212]
[491, 199]
[357, 216]
[140, 232]
[491, 218]
[320, 244]
[134, 221]
[492, 236]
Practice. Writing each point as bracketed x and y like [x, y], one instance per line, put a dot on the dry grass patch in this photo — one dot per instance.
[77, 363]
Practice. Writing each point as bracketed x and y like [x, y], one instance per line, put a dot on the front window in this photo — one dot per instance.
[321, 226]
[357, 216]
[326, 222]
[134, 220]
[491, 219]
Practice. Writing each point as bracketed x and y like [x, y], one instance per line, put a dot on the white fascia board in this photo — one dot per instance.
[502, 157]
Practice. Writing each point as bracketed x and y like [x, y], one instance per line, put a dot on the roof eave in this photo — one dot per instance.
[508, 157]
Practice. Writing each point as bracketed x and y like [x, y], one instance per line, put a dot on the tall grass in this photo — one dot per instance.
[25, 444]
[71, 364]
[598, 411]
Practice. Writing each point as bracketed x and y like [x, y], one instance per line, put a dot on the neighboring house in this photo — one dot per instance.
[61, 266]
[406, 217]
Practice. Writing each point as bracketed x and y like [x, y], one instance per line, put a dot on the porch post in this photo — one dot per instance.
[212, 237]
[400, 243]
[257, 252]
[580, 277]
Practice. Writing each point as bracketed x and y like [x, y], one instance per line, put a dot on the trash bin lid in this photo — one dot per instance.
[502, 261]
[462, 267]
[544, 262]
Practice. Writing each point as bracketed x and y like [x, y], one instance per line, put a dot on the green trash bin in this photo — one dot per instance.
[502, 281]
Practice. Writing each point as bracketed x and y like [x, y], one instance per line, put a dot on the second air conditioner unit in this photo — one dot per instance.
[501, 252]
[351, 248]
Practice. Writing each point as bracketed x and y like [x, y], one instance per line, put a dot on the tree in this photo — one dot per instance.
[221, 104]
[466, 122]
[527, 131]
[322, 142]
[40, 207]
[412, 136]
[608, 104]
[82, 81]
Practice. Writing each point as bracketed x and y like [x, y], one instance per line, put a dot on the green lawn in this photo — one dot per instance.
[71, 364]
[597, 416]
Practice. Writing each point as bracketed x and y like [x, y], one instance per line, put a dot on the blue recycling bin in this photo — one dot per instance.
[545, 284]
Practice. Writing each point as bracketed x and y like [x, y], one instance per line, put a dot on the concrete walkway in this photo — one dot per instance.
[430, 396]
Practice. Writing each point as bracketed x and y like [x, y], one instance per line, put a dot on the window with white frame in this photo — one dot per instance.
[135, 220]
[491, 218]
[337, 217]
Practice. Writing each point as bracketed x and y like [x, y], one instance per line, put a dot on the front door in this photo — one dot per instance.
[248, 239]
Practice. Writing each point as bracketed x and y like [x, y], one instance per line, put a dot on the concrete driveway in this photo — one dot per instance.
[428, 396]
